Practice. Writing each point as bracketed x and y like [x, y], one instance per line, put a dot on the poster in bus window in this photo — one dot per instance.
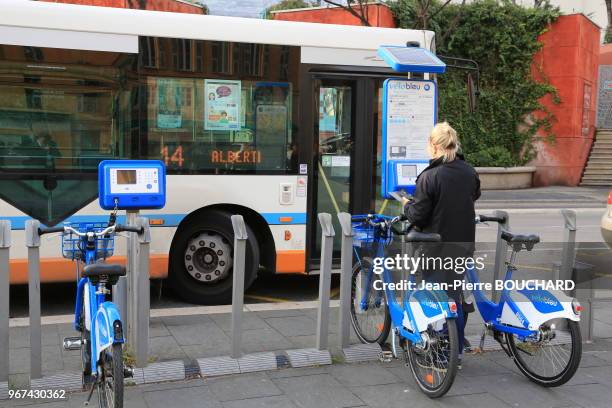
[169, 101]
[327, 109]
[222, 104]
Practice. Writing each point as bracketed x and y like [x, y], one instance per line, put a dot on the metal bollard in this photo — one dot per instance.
[579, 272]
[568, 253]
[5, 245]
[120, 297]
[327, 246]
[500, 252]
[240, 240]
[346, 269]
[139, 301]
[33, 244]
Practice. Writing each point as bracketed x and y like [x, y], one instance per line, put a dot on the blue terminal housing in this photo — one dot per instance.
[132, 184]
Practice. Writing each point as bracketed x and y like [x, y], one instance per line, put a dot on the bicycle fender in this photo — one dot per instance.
[106, 316]
[531, 308]
[427, 309]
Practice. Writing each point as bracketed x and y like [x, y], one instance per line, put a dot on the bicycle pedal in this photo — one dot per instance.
[385, 356]
[72, 343]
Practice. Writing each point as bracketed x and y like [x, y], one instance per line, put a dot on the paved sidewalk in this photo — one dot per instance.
[545, 197]
[487, 380]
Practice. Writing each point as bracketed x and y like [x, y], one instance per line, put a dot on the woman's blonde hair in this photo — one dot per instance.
[445, 138]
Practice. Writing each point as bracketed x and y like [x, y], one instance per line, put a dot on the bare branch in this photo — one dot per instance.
[453, 24]
[348, 7]
[440, 9]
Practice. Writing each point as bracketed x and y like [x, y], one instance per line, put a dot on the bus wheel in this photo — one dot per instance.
[201, 259]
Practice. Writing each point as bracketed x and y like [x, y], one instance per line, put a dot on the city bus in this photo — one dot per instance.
[277, 121]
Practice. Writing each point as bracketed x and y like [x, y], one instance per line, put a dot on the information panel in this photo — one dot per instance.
[409, 114]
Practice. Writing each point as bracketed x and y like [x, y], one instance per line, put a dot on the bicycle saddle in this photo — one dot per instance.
[415, 236]
[511, 238]
[520, 241]
[102, 269]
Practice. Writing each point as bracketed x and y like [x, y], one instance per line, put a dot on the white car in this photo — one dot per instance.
[606, 223]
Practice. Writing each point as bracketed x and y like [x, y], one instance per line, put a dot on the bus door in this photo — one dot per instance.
[343, 142]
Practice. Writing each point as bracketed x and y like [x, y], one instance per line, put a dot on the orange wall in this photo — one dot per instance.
[378, 15]
[569, 60]
[157, 5]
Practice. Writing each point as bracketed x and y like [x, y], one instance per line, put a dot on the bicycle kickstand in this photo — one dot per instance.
[93, 386]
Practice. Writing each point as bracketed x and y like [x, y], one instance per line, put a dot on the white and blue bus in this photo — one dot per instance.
[273, 120]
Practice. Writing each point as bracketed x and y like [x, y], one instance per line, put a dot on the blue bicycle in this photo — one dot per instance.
[424, 321]
[537, 328]
[97, 319]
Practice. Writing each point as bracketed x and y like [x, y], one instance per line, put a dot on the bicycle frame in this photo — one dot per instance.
[106, 327]
[523, 318]
[409, 321]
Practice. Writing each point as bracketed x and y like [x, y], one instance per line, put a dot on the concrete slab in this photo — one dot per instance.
[391, 395]
[588, 395]
[280, 401]
[293, 325]
[316, 391]
[197, 396]
[357, 375]
[484, 400]
[242, 387]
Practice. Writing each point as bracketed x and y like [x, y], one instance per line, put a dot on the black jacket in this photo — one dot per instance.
[444, 200]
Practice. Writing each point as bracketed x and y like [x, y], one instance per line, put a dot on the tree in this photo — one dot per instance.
[424, 15]
[502, 38]
[287, 5]
[358, 8]
[142, 5]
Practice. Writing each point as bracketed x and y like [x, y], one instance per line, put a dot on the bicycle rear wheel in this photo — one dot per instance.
[369, 313]
[553, 359]
[110, 387]
[434, 366]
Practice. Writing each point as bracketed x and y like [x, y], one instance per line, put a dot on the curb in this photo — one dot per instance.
[3, 390]
[178, 370]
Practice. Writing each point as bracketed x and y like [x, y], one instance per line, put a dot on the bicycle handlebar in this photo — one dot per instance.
[129, 228]
[105, 231]
[486, 218]
[50, 230]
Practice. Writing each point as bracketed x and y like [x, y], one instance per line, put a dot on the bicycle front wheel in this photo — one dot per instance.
[552, 359]
[110, 386]
[369, 313]
[434, 364]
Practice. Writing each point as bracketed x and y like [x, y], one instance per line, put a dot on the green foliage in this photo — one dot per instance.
[608, 37]
[287, 5]
[502, 38]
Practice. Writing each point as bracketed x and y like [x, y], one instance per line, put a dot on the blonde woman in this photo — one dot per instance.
[444, 203]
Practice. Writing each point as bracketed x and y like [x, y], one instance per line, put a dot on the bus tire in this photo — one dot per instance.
[201, 259]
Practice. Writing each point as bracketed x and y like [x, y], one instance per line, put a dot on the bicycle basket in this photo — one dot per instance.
[73, 246]
[365, 234]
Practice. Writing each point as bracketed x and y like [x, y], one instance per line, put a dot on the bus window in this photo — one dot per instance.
[63, 113]
[236, 116]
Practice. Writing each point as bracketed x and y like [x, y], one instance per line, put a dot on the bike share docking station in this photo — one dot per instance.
[128, 185]
[237, 362]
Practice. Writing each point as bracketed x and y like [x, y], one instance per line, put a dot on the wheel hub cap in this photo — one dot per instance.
[208, 257]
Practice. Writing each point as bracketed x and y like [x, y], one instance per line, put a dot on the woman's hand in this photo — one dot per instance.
[405, 200]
